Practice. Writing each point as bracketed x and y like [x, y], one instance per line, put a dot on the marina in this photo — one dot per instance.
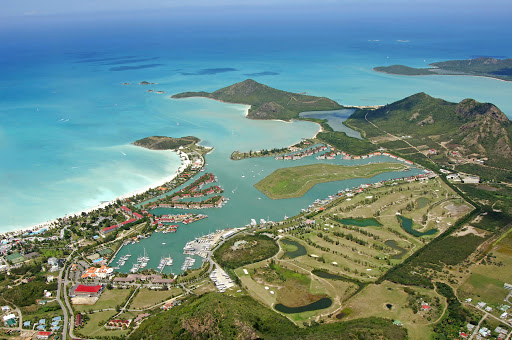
[245, 206]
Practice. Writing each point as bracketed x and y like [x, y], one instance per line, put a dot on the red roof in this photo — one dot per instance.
[108, 228]
[88, 289]
[42, 333]
[129, 221]
[126, 209]
[137, 215]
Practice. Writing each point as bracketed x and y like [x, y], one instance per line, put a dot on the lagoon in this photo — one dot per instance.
[246, 202]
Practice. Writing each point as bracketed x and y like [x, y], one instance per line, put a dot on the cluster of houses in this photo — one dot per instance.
[193, 190]
[211, 202]
[303, 153]
[118, 324]
[133, 218]
[54, 325]
[484, 332]
[183, 218]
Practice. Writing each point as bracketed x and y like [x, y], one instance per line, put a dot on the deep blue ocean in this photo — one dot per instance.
[66, 122]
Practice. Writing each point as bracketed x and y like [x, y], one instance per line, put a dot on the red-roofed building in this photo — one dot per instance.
[128, 221]
[108, 229]
[85, 290]
[78, 320]
[43, 335]
[137, 216]
[126, 209]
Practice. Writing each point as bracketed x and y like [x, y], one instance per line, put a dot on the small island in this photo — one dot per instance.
[266, 102]
[482, 67]
[166, 143]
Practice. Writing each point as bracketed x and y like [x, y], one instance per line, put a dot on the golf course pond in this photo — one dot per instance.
[360, 222]
[406, 224]
[320, 304]
[394, 245]
[300, 249]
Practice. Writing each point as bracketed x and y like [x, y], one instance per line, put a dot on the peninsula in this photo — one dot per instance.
[296, 181]
[266, 102]
[483, 67]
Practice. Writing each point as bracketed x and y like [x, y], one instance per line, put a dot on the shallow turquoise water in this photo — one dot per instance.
[66, 122]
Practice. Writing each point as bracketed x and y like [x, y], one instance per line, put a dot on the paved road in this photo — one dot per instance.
[475, 332]
[64, 309]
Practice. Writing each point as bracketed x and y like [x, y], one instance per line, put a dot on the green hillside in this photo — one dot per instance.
[165, 143]
[470, 129]
[217, 316]
[266, 102]
[483, 66]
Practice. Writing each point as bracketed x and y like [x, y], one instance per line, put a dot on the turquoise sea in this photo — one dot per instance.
[66, 122]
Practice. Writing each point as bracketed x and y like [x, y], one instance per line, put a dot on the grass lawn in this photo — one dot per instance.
[486, 280]
[148, 297]
[484, 288]
[296, 181]
[91, 327]
[108, 299]
[373, 299]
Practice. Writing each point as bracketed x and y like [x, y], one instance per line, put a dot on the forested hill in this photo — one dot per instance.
[165, 143]
[469, 128]
[217, 316]
[266, 102]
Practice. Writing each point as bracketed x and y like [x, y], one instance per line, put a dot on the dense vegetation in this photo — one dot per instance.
[165, 143]
[484, 66]
[26, 294]
[351, 145]
[468, 128]
[216, 316]
[266, 102]
[257, 247]
[443, 250]
[404, 70]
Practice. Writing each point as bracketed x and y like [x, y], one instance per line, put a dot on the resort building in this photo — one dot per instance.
[88, 291]
[102, 272]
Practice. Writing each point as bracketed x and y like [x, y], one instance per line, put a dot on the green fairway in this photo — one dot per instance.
[296, 181]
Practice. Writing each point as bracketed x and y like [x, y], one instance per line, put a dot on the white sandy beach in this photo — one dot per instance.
[53, 223]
